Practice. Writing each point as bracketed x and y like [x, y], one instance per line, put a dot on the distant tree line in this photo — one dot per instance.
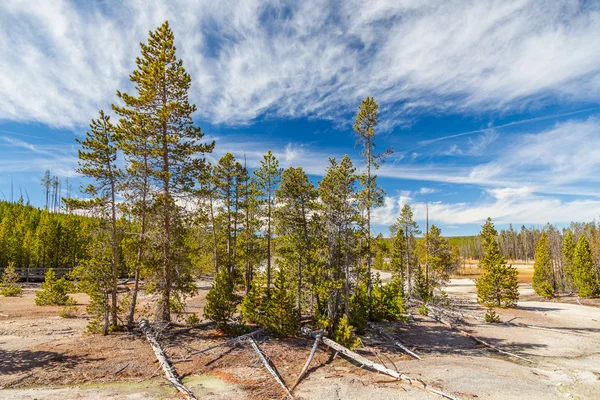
[35, 238]
[521, 245]
[565, 261]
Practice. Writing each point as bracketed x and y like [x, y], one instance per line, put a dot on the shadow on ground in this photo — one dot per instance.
[17, 361]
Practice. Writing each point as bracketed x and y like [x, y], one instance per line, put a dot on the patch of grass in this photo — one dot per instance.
[68, 312]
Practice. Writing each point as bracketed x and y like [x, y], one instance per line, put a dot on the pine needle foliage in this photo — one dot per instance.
[491, 317]
[583, 270]
[498, 286]
[568, 250]
[388, 300]
[255, 302]
[422, 290]
[543, 279]
[344, 335]
[221, 301]
[268, 177]
[372, 195]
[282, 315]
[53, 291]
[97, 161]
[95, 278]
[359, 308]
[9, 285]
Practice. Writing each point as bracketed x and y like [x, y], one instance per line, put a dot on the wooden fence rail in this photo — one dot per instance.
[37, 274]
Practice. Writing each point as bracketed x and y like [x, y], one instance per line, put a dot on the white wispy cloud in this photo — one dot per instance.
[18, 156]
[313, 161]
[64, 60]
[566, 154]
[563, 159]
[427, 190]
[506, 205]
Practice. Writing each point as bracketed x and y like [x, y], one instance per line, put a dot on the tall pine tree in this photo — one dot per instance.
[134, 132]
[174, 146]
[584, 278]
[371, 196]
[498, 286]
[98, 161]
[406, 223]
[543, 279]
[268, 177]
[568, 249]
[340, 214]
[297, 201]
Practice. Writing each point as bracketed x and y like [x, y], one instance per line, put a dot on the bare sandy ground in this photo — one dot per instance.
[46, 357]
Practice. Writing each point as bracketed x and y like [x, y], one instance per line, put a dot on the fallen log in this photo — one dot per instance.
[377, 367]
[389, 338]
[170, 372]
[270, 367]
[309, 360]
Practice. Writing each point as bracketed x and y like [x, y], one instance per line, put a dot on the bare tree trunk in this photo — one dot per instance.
[166, 365]
[427, 245]
[214, 232]
[248, 274]
[166, 283]
[369, 283]
[269, 238]
[140, 256]
[396, 343]
[115, 270]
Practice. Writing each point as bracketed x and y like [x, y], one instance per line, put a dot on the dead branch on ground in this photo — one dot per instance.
[268, 365]
[377, 367]
[170, 372]
[389, 338]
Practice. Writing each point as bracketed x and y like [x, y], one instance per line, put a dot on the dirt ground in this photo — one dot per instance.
[43, 356]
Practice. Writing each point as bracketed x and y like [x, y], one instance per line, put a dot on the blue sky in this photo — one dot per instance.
[493, 108]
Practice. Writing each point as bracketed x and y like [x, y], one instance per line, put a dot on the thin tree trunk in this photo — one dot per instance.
[166, 289]
[269, 237]
[427, 245]
[235, 223]
[214, 232]
[140, 255]
[229, 226]
[248, 274]
[115, 271]
[407, 261]
[106, 315]
[369, 283]
[396, 343]
[307, 252]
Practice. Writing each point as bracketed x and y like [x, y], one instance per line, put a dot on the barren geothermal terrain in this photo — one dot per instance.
[548, 350]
